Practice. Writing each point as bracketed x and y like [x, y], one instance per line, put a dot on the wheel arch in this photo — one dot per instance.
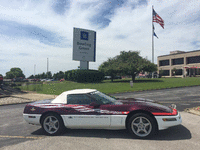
[141, 111]
[48, 112]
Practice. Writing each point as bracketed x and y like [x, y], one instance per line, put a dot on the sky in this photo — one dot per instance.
[33, 30]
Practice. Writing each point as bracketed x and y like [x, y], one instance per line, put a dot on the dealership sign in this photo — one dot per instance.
[84, 45]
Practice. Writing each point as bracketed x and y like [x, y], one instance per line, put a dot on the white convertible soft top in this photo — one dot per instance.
[62, 98]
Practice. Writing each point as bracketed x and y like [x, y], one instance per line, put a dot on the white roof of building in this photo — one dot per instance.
[62, 98]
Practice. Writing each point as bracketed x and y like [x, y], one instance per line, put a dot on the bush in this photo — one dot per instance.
[84, 75]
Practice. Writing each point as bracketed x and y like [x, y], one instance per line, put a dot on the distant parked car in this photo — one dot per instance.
[18, 79]
[61, 80]
[35, 80]
[48, 80]
[117, 77]
[25, 80]
[107, 77]
[155, 75]
[141, 75]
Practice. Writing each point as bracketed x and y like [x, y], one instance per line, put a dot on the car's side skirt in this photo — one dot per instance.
[94, 121]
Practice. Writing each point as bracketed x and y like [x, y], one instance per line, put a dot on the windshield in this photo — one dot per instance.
[102, 98]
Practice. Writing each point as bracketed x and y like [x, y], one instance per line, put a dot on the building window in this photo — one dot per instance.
[164, 62]
[179, 71]
[164, 72]
[178, 61]
[195, 59]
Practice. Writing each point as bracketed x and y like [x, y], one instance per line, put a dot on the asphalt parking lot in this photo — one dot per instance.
[15, 133]
[185, 136]
[186, 97]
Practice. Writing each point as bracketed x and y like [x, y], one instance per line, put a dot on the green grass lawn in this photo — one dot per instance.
[118, 86]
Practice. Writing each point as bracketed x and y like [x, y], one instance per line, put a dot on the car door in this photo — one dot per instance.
[83, 115]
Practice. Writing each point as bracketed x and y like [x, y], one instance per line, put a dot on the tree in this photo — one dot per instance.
[59, 75]
[14, 73]
[128, 63]
[131, 63]
[41, 76]
[31, 77]
[49, 75]
[109, 68]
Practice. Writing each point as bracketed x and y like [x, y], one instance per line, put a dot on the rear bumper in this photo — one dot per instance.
[165, 122]
[32, 118]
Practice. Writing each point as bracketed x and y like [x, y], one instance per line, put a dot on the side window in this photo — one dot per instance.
[81, 99]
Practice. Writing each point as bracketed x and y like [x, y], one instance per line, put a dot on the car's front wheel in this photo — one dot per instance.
[52, 124]
[141, 125]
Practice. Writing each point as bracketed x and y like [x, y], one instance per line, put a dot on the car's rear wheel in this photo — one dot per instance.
[141, 125]
[52, 124]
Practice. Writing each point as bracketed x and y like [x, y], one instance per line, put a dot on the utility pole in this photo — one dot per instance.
[47, 67]
[34, 69]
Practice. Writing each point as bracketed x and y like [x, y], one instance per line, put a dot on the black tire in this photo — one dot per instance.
[52, 124]
[142, 126]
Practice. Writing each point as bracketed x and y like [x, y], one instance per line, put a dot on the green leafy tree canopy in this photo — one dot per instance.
[59, 75]
[109, 68]
[127, 63]
[14, 73]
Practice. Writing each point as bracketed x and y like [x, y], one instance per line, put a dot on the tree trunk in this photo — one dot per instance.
[133, 77]
[112, 77]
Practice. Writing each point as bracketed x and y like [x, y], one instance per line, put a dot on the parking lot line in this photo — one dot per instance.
[20, 137]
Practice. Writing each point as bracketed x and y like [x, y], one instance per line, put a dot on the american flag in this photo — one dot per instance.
[158, 19]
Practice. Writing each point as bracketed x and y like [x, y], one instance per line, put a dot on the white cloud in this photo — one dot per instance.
[130, 29]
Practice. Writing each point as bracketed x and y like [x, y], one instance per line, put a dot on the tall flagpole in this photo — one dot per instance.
[47, 67]
[152, 38]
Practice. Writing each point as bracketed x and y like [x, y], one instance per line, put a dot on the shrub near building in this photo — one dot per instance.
[84, 75]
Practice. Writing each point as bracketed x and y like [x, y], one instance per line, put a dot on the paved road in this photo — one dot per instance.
[187, 97]
[14, 130]
[185, 136]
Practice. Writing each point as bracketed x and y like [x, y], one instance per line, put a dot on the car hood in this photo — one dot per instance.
[143, 104]
[45, 101]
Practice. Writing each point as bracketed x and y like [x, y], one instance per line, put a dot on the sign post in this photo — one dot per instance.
[84, 46]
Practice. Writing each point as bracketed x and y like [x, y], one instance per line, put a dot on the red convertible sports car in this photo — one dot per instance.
[91, 109]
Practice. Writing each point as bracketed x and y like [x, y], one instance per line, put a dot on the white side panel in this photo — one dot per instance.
[166, 124]
[86, 121]
[32, 118]
[118, 121]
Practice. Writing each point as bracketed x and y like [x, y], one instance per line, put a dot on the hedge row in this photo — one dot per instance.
[84, 75]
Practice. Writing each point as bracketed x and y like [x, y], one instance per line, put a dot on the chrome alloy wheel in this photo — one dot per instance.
[51, 124]
[141, 126]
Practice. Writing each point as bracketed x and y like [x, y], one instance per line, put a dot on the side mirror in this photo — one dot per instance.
[94, 104]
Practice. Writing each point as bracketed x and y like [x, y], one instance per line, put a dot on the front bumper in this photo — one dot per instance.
[32, 118]
[165, 122]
